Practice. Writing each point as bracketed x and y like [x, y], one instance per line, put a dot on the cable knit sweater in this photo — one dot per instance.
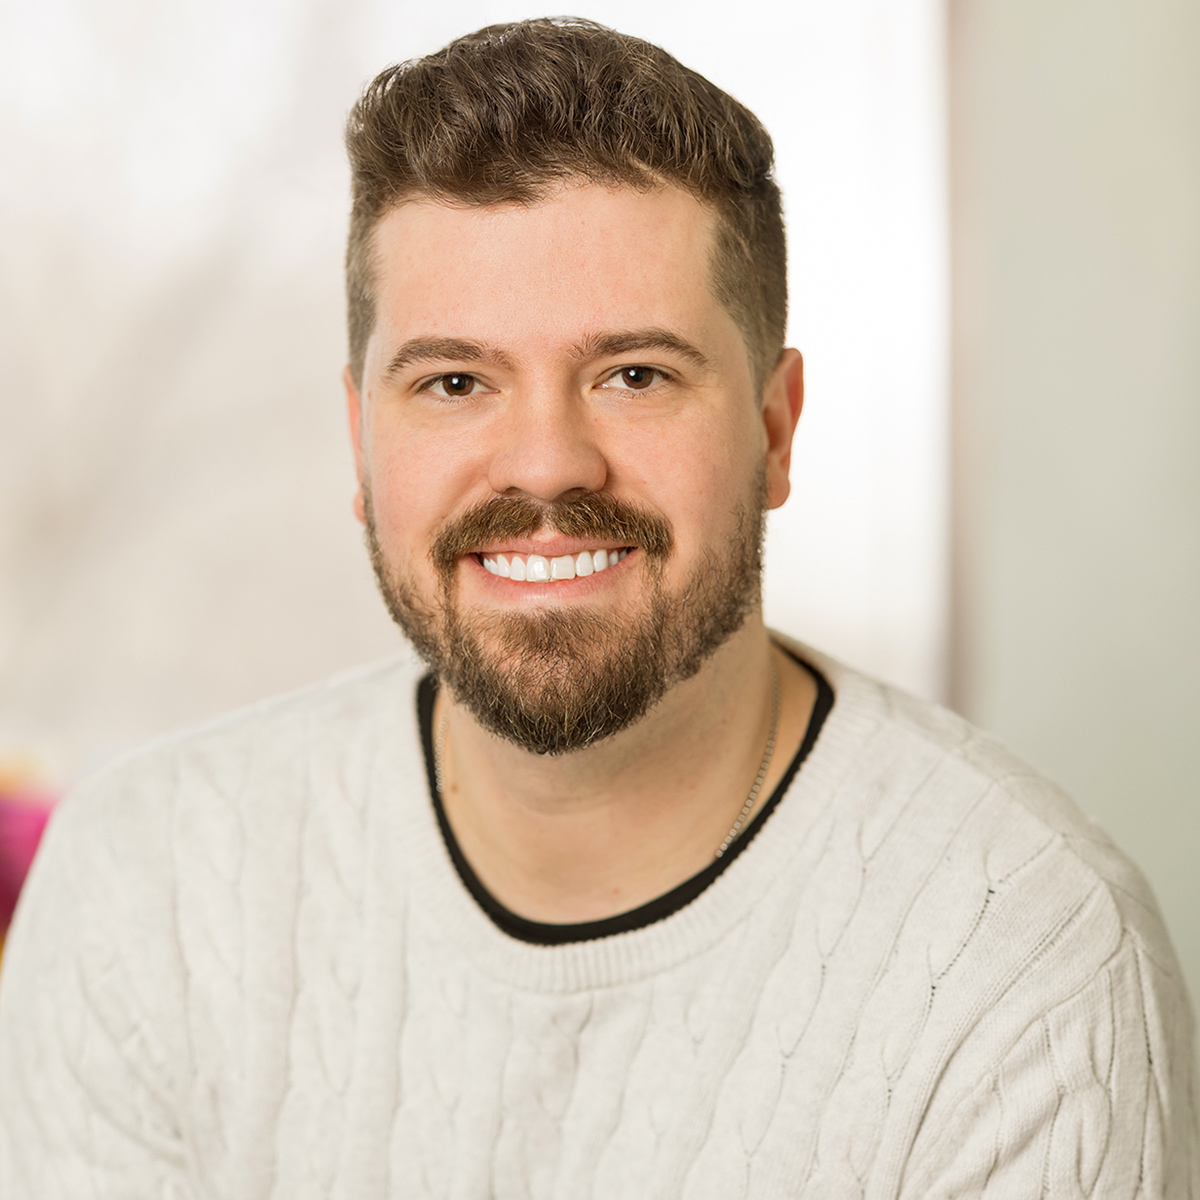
[245, 967]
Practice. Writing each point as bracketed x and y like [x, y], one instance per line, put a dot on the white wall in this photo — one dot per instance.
[1077, 280]
[175, 530]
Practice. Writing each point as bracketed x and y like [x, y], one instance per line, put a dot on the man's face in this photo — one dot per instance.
[554, 390]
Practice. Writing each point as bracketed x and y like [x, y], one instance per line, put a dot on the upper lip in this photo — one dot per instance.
[551, 548]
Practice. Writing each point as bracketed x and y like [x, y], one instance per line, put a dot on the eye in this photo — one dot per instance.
[635, 378]
[451, 385]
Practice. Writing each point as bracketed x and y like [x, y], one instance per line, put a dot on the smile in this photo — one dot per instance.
[536, 568]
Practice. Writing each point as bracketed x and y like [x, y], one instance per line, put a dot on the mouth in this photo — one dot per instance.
[538, 568]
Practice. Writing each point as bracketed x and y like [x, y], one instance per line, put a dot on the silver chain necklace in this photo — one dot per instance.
[439, 753]
[763, 766]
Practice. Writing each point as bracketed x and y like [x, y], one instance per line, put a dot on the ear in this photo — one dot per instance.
[783, 398]
[354, 415]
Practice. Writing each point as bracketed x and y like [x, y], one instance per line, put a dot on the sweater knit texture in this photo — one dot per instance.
[245, 968]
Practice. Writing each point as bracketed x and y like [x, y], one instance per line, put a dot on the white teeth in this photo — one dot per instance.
[536, 568]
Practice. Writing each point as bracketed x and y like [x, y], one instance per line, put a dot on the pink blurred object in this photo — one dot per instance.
[23, 817]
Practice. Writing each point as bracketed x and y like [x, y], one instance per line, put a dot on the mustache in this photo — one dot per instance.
[593, 515]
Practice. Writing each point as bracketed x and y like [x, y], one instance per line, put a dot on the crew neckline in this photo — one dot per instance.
[543, 933]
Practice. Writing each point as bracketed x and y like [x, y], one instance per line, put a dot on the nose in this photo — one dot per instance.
[549, 450]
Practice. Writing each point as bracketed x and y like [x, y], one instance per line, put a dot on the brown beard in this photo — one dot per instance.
[555, 681]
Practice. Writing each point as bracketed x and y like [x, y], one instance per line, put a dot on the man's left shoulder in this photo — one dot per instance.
[1017, 965]
[1029, 811]
[925, 780]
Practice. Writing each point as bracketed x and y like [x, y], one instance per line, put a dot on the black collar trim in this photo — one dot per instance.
[542, 933]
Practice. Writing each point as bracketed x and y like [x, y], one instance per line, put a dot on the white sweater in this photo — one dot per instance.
[245, 967]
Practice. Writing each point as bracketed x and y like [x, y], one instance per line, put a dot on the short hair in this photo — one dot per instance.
[503, 114]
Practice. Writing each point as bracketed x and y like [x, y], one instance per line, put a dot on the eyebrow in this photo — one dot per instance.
[436, 349]
[600, 345]
[604, 345]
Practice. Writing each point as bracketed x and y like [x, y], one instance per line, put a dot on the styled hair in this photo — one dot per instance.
[503, 114]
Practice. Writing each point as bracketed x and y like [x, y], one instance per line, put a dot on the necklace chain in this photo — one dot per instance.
[439, 753]
[763, 766]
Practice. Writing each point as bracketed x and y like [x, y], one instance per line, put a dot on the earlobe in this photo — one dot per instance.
[783, 399]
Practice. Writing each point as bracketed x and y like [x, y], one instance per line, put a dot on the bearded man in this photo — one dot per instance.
[617, 894]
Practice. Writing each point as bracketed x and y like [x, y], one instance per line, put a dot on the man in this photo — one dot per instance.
[619, 895]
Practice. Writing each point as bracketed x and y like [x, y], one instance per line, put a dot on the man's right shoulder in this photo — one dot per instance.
[281, 746]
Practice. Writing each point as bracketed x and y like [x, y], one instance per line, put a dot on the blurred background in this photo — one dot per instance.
[994, 219]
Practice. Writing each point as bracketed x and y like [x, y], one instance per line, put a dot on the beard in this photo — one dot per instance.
[556, 680]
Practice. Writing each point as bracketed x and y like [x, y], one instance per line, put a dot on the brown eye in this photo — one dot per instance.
[637, 377]
[458, 385]
[634, 379]
[454, 384]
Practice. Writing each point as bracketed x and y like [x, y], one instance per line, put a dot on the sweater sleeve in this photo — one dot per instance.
[86, 1095]
[1095, 1099]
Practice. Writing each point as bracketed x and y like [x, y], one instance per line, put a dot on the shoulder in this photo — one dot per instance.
[161, 866]
[1010, 897]
[195, 793]
[341, 715]
[1024, 946]
[913, 768]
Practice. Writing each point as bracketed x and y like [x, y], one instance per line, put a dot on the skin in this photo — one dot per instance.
[537, 292]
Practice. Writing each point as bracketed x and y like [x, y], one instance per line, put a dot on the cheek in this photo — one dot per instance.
[416, 482]
[697, 477]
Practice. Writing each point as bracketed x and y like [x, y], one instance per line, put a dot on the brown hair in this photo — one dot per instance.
[501, 114]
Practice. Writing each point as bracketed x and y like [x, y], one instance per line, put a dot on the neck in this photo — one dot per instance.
[586, 835]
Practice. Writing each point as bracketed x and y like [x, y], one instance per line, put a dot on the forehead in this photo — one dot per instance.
[582, 259]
